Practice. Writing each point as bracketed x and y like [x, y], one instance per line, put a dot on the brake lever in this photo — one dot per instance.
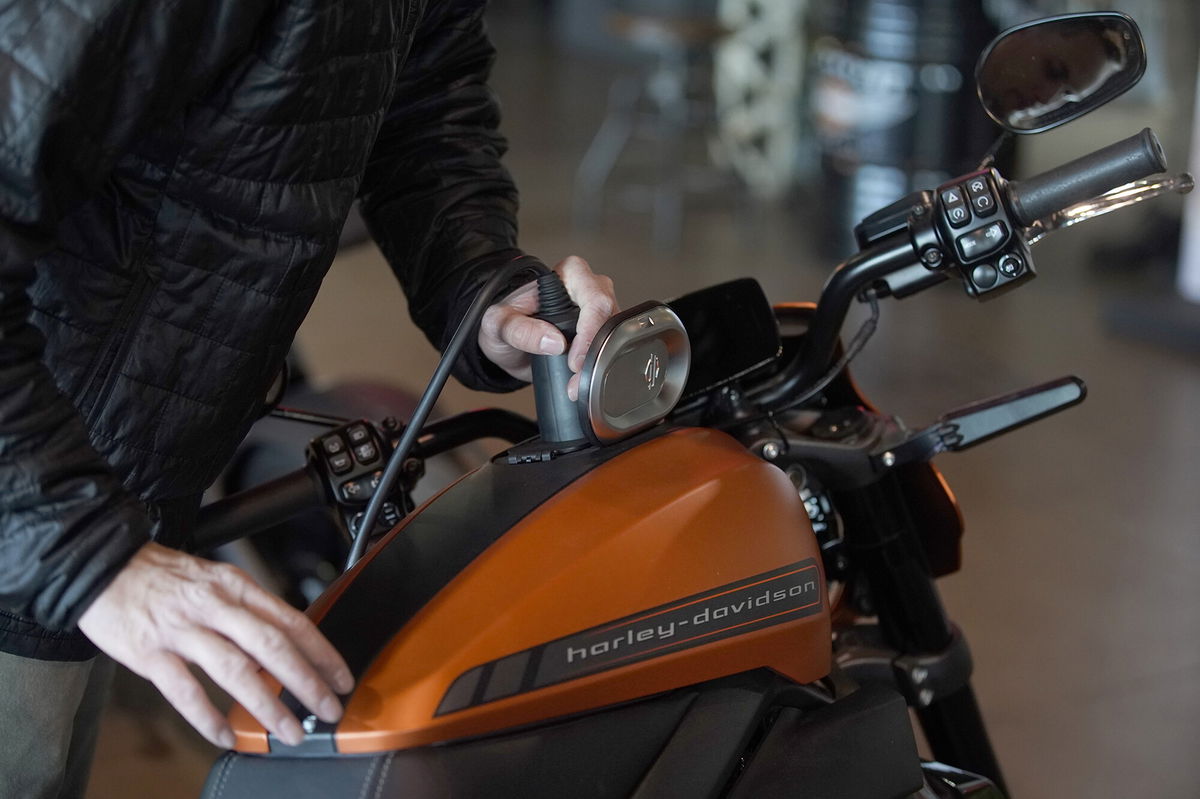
[978, 422]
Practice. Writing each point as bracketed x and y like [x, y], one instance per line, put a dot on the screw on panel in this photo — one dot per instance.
[309, 724]
[889, 459]
[770, 450]
[919, 675]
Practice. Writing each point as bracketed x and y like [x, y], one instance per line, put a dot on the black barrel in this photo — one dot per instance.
[891, 102]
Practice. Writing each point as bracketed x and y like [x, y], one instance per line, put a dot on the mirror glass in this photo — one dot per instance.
[1039, 75]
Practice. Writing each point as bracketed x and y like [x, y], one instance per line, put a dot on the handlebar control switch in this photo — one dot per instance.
[990, 254]
[349, 460]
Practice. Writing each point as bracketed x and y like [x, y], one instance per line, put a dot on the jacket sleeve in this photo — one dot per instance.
[80, 79]
[435, 196]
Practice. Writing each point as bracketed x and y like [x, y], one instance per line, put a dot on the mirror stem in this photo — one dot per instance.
[989, 158]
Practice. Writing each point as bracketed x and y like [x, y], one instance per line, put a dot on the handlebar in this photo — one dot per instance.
[915, 243]
[1084, 178]
[258, 508]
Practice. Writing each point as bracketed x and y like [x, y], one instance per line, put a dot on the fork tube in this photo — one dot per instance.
[884, 543]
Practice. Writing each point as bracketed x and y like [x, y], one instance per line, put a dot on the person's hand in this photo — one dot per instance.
[508, 334]
[166, 609]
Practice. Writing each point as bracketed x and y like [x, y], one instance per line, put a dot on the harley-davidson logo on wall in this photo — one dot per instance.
[774, 597]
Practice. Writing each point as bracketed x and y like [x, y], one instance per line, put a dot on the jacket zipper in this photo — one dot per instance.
[108, 365]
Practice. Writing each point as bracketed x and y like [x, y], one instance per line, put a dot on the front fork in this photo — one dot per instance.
[933, 666]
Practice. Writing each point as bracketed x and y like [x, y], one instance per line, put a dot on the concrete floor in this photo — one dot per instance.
[1080, 591]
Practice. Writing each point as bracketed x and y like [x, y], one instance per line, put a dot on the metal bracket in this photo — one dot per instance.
[922, 678]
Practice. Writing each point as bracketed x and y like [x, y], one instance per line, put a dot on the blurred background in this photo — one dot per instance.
[680, 143]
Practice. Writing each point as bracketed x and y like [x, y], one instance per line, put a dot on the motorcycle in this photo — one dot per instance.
[715, 573]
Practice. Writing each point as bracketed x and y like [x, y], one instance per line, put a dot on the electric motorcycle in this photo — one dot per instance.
[713, 574]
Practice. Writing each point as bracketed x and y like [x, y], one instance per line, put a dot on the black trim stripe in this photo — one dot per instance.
[781, 595]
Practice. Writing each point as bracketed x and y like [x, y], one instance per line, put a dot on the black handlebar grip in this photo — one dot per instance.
[256, 509]
[1087, 177]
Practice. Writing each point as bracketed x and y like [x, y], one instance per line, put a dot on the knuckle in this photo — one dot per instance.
[183, 694]
[295, 624]
[272, 639]
[229, 575]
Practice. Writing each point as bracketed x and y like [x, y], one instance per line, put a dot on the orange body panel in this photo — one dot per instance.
[680, 515]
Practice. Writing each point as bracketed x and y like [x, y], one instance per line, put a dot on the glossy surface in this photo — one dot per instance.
[688, 504]
[1043, 74]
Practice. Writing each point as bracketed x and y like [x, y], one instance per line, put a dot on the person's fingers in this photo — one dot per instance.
[508, 333]
[184, 693]
[299, 633]
[524, 299]
[270, 646]
[596, 298]
[238, 675]
[511, 327]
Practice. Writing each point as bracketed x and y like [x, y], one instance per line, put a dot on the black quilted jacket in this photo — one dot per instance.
[173, 178]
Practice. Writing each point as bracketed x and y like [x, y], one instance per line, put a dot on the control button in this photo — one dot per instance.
[955, 203]
[979, 243]
[358, 434]
[333, 444]
[981, 197]
[977, 185]
[366, 452]
[352, 489]
[984, 204]
[341, 463]
[953, 196]
[984, 276]
[1011, 265]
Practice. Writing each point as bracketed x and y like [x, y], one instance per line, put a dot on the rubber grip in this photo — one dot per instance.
[1087, 177]
[256, 509]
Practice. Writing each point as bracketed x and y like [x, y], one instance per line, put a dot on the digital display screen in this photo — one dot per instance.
[732, 331]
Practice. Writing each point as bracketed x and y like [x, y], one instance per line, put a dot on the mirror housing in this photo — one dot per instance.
[1045, 73]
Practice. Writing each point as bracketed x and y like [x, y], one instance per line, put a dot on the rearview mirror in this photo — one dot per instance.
[1048, 72]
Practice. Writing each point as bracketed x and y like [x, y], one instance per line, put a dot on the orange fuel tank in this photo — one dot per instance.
[674, 559]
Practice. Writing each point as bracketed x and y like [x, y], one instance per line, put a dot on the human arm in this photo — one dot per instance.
[443, 208]
[81, 81]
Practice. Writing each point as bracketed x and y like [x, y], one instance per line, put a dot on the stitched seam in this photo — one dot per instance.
[216, 298]
[225, 772]
[285, 183]
[169, 391]
[246, 122]
[66, 322]
[265, 232]
[387, 765]
[167, 459]
[164, 257]
[328, 61]
[368, 779]
[205, 336]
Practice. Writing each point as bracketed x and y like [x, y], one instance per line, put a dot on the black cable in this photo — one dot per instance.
[468, 325]
[857, 343]
[856, 346]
